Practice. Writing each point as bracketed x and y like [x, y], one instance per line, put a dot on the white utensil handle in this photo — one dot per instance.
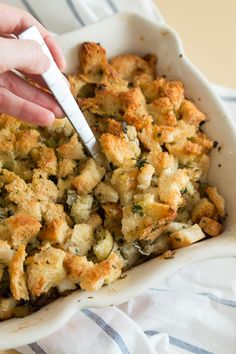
[57, 84]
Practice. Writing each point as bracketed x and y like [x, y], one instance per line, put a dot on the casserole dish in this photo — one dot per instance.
[136, 35]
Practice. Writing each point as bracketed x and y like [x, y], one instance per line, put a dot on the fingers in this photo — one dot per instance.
[21, 88]
[40, 81]
[14, 20]
[23, 55]
[24, 110]
[56, 52]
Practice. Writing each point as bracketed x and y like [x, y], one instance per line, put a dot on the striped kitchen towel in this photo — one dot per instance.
[194, 310]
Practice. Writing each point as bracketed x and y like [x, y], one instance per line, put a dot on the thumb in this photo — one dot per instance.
[24, 55]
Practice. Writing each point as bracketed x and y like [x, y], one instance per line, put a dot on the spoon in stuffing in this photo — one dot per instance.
[60, 90]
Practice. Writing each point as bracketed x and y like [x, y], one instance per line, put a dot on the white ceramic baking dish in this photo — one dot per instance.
[124, 33]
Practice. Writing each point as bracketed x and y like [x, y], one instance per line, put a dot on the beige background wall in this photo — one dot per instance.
[208, 31]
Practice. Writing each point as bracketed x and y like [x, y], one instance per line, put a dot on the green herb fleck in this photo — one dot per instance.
[124, 127]
[140, 163]
[112, 167]
[154, 228]
[184, 191]
[137, 209]
[181, 165]
[178, 239]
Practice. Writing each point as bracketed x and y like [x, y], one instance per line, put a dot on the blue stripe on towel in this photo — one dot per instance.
[230, 303]
[113, 5]
[74, 11]
[181, 344]
[107, 329]
[35, 347]
[225, 302]
[30, 10]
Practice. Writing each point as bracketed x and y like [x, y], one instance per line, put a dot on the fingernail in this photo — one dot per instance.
[48, 120]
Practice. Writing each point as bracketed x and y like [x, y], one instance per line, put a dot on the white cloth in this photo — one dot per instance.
[194, 310]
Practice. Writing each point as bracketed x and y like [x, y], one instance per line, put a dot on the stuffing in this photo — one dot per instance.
[31, 208]
[7, 307]
[186, 236]
[124, 180]
[94, 221]
[152, 88]
[191, 114]
[6, 253]
[210, 226]
[17, 275]
[106, 193]
[117, 150]
[60, 126]
[47, 161]
[9, 123]
[72, 150]
[55, 231]
[78, 86]
[146, 219]
[51, 211]
[95, 67]
[185, 151]
[161, 161]
[43, 188]
[113, 217]
[147, 137]
[26, 140]
[103, 245]
[201, 139]
[145, 176]
[105, 103]
[81, 208]
[81, 240]
[66, 167]
[171, 184]
[104, 272]
[18, 190]
[22, 229]
[91, 276]
[216, 199]
[133, 141]
[203, 208]
[89, 177]
[129, 66]
[7, 141]
[45, 270]
[68, 221]
[134, 105]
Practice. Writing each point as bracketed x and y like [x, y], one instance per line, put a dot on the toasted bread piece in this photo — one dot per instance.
[91, 277]
[72, 150]
[210, 227]
[186, 236]
[216, 199]
[146, 219]
[203, 208]
[45, 270]
[17, 275]
[6, 253]
[89, 178]
[22, 228]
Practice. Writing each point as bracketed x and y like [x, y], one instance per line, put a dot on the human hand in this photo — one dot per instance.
[17, 97]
